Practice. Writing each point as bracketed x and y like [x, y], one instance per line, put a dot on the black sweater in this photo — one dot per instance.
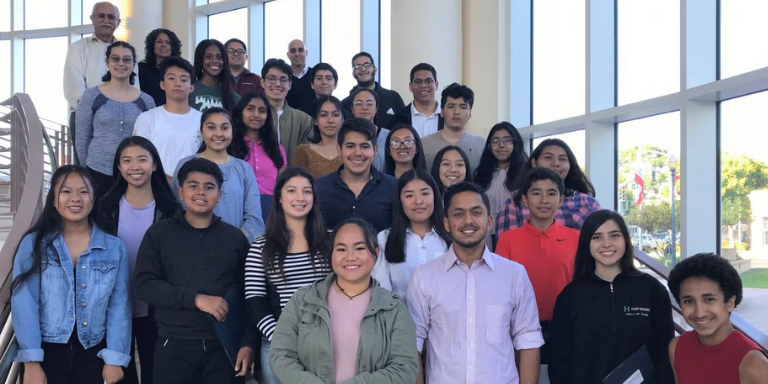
[177, 261]
[598, 324]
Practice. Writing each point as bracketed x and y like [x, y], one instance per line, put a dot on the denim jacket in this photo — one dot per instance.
[47, 304]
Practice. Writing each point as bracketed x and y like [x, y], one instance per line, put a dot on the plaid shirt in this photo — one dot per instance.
[572, 212]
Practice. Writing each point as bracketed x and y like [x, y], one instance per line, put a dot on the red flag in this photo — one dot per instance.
[639, 181]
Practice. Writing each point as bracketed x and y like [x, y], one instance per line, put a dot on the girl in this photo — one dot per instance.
[240, 203]
[504, 155]
[365, 104]
[417, 235]
[212, 74]
[368, 329]
[140, 196]
[292, 254]
[403, 151]
[609, 310]
[321, 156]
[106, 114]
[256, 143]
[451, 166]
[70, 292]
[579, 198]
[159, 44]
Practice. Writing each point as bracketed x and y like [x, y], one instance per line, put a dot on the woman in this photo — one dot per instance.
[240, 203]
[504, 155]
[212, 75]
[106, 114]
[365, 104]
[256, 143]
[579, 198]
[321, 156]
[403, 151]
[367, 329]
[70, 292]
[140, 196]
[417, 235]
[609, 310]
[292, 254]
[451, 166]
[159, 44]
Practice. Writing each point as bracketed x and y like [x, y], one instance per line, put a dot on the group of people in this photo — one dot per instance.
[398, 247]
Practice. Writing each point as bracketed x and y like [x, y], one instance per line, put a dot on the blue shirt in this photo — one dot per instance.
[374, 204]
[47, 304]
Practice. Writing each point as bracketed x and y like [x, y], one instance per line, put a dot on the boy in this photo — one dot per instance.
[184, 267]
[708, 289]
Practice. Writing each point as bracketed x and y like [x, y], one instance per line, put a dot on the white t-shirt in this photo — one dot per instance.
[175, 136]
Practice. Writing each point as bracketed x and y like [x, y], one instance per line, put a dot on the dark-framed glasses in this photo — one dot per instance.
[506, 140]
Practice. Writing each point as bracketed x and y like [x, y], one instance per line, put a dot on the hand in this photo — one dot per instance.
[244, 360]
[34, 374]
[214, 305]
[112, 373]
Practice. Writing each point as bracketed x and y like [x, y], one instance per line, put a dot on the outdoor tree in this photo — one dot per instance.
[740, 176]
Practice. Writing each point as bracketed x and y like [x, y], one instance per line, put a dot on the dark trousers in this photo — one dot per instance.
[193, 362]
[144, 339]
[72, 136]
[103, 182]
[70, 363]
[545, 351]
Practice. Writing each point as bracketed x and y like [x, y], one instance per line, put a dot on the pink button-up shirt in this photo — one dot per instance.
[263, 167]
[472, 319]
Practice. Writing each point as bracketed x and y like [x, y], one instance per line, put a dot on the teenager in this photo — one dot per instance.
[417, 234]
[503, 157]
[423, 113]
[241, 80]
[365, 103]
[321, 155]
[106, 114]
[345, 328]
[185, 266]
[579, 198]
[451, 166]
[172, 127]
[610, 309]
[212, 75]
[291, 255]
[364, 71]
[708, 289]
[403, 151]
[159, 44]
[70, 292]
[323, 82]
[240, 203]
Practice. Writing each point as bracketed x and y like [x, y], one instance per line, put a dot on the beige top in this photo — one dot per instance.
[315, 163]
[346, 316]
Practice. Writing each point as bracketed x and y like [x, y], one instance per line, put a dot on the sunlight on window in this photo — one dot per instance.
[5, 15]
[575, 140]
[385, 38]
[43, 66]
[341, 39]
[50, 14]
[283, 22]
[5, 69]
[226, 25]
[742, 27]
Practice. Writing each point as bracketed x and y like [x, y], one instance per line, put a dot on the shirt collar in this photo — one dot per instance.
[431, 232]
[303, 71]
[416, 112]
[451, 259]
[249, 141]
[96, 39]
[549, 232]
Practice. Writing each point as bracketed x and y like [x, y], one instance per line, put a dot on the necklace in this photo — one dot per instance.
[330, 155]
[353, 296]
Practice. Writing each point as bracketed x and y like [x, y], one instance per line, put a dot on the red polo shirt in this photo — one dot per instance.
[547, 257]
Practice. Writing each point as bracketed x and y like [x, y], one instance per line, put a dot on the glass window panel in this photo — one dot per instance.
[5, 69]
[744, 193]
[646, 147]
[226, 25]
[558, 59]
[43, 66]
[283, 22]
[742, 25]
[87, 10]
[648, 49]
[341, 39]
[385, 33]
[5, 15]
[575, 140]
[45, 14]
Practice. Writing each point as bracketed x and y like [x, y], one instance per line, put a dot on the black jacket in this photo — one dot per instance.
[404, 117]
[177, 261]
[390, 103]
[598, 324]
[109, 211]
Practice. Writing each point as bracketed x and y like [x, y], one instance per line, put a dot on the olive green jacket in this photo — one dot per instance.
[302, 350]
[295, 127]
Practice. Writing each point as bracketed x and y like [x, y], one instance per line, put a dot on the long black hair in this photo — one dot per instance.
[394, 252]
[584, 265]
[223, 78]
[575, 180]
[267, 133]
[149, 45]
[369, 235]
[418, 160]
[488, 162]
[49, 224]
[213, 111]
[165, 199]
[316, 137]
[108, 76]
[278, 238]
[435, 172]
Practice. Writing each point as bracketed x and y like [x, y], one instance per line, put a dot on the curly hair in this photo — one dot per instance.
[707, 266]
[149, 45]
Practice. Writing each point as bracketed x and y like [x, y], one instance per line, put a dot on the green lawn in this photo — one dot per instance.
[755, 278]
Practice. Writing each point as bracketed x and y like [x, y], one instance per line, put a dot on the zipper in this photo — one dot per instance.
[613, 309]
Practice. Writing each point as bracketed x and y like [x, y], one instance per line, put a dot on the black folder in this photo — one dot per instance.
[230, 331]
[636, 369]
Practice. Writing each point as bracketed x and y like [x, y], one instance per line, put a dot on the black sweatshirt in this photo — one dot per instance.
[598, 324]
[176, 261]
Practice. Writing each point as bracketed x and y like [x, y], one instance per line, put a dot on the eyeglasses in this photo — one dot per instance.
[369, 104]
[506, 140]
[125, 59]
[239, 52]
[274, 79]
[105, 16]
[408, 143]
[418, 82]
[367, 65]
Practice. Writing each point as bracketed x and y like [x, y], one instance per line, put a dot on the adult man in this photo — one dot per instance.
[357, 189]
[472, 308]
[364, 71]
[292, 126]
[457, 101]
[241, 80]
[301, 92]
[174, 128]
[324, 79]
[423, 114]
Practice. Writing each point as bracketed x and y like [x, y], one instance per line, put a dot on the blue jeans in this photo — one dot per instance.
[266, 368]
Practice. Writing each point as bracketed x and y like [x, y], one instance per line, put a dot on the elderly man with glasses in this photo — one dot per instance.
[241, 80]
